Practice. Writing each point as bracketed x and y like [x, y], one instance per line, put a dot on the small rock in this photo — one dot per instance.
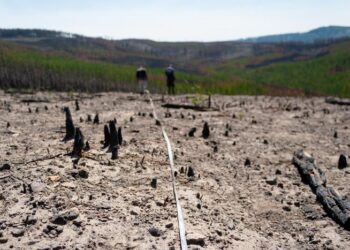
[18, 232]
[169, 226]
[272, 180]
[83, 174]
[5, 167]
[287, 208]
[195, 239]
[3, 240]
[155, 232]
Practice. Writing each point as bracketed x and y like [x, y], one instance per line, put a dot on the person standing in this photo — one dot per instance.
[170, 77]
[141, 76]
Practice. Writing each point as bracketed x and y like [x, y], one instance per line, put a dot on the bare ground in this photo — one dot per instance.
[228, 205]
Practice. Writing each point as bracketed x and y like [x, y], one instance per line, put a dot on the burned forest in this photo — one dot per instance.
[92, 171]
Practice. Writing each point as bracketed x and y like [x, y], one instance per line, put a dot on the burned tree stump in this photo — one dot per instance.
[120, 136]
[192, 131]
[96, 119]
[107, 137]
[89, 119]
[206, 131]
[79, 144]
[113, 142]
[336, 206]
[87, 146]
[77, 108]
[70, 129]
[342, 162]
[115, 153]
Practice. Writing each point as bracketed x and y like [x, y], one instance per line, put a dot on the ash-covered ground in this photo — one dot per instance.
[245, 194]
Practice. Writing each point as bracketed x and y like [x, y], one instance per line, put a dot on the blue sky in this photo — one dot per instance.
[174, 20]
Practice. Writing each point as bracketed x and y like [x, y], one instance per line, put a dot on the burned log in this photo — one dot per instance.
[113, 142]
[336, 206]
[79, 144]
[336, 101]
[107, 137]
[70, 129]
[186, 106]
[206, 131]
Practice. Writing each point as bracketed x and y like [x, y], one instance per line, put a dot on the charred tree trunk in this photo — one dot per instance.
[77, 108]
[335, 205]
[70, 129]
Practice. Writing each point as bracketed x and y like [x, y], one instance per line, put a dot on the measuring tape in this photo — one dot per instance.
[180, 217]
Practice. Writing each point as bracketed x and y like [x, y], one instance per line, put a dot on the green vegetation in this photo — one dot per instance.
[32, 69]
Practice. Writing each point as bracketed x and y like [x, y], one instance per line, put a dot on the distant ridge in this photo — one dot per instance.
[316, 35]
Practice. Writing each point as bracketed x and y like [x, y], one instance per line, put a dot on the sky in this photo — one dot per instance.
[174, 20]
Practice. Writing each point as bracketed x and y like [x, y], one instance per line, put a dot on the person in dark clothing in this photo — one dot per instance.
[170, 77]
[141, 77]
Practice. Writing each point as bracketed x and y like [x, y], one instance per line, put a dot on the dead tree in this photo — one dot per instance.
[79, 144]
[107, 137]
[334, 204]
[70, 129]
[206, 131]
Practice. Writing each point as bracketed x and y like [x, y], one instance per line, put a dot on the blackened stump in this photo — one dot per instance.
[79, 144]
[89, 118]
[70, 129]
[120, 136]
[77, 108]
[342, 163]
[113, 136]
[96, 119]
[190, 172]
[115, 153]
[192, 131]
[206, 131]
[107, 137]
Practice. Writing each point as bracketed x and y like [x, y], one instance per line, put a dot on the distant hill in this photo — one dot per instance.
[52, 60]
[316, 35]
